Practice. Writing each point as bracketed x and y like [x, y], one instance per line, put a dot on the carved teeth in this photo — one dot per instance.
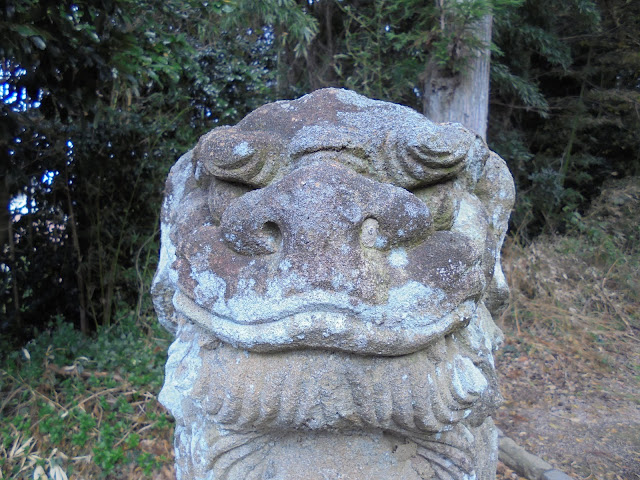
[467, 382]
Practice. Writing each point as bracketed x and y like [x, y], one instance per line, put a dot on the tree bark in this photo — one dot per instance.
[84, 325]
[5, 217]
[461, 98]
[6, 238]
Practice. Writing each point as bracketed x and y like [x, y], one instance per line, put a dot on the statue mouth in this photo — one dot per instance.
[380, 330]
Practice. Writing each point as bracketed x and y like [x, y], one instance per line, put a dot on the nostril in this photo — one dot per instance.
[247, 239]
[396, 224]
[370, 232]
[271, 236]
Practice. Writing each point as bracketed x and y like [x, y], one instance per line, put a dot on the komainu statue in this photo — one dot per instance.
[330, 267]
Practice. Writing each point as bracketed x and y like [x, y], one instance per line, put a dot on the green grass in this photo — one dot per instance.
[83, 406]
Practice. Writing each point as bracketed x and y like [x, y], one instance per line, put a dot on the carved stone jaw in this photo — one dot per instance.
[244, 405]
[423, 392]
[326, 325]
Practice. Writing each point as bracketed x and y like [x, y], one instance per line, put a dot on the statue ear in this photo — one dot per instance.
[162, 291]
[496, 191]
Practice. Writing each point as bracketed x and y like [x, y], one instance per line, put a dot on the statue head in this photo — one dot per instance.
[331, 264]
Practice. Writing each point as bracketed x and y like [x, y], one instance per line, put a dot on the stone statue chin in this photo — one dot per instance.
[329, 268]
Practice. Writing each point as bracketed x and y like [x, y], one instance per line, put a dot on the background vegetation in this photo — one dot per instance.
[100, 97]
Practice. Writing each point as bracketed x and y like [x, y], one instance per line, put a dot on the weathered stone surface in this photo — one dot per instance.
[330, 267]
[555, 475]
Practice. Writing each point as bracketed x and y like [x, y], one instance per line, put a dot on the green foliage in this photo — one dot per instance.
[379, 48]
[85, 404]
[297, 27]
[289, 29]
[526, 92]
[610, 236]
[564, 89]
[389, 45]
[377, 35]
[100, 100]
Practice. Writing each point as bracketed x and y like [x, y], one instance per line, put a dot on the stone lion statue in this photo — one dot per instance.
[329, 268]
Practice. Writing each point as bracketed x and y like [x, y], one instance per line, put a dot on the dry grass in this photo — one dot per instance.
[570, 366]
[582, 289]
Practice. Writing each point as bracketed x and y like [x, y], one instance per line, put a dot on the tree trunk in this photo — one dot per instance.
[5, 217]
[462, 98]
[84, 325]
[6, 238]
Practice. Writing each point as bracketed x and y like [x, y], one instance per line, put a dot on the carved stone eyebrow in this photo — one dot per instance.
[387, 142]
[252, 158]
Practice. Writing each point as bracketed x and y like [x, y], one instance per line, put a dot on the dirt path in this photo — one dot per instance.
[581, 418]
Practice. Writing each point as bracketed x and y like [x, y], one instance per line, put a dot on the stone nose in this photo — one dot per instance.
[324, 207]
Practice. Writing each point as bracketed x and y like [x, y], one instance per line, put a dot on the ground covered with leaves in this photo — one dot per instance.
[86, 408]
[570, 365]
